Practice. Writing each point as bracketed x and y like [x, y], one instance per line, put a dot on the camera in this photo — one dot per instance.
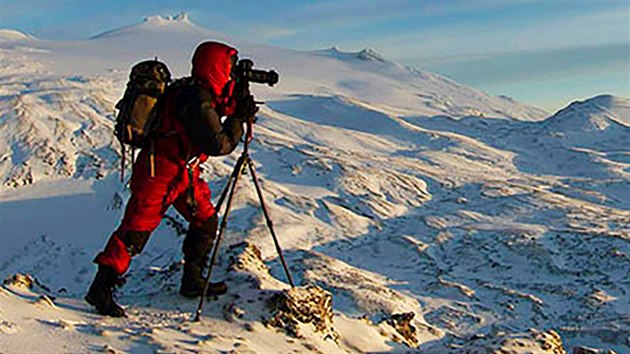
[246, 72]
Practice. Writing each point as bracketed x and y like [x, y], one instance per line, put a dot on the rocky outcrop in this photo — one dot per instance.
[533, 341]
[586, 350]
[291, 309]
[402, 323]
[246, 261]
[295, 310]
[23, 281]
[27, 282]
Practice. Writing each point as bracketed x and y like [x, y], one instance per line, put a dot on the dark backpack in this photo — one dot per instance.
[138, 109]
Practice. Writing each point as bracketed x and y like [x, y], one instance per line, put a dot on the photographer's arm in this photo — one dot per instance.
[203, 124]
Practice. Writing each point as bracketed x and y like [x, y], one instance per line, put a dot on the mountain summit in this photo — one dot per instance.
[597, 113]
[367, 54]
[180, 18]
[156, 23]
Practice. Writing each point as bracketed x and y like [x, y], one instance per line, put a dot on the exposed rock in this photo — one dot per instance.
[297, 311]
[65, 324]
[231, 312]
[290, 309]
[45, 300]
[534, 341]
[587, 350]
[402, 324]
[109, 349]
[116, 203]
[18, 280]
[246, 260]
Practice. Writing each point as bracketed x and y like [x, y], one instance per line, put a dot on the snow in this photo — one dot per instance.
[397, 190]
[7, 35]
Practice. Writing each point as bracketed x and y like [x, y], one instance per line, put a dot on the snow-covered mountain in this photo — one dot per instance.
[397, 190]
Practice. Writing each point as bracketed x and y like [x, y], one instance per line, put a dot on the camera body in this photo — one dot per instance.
[245, 73]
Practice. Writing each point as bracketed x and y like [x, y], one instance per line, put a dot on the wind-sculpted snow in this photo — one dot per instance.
[402, 193]
[53, 126]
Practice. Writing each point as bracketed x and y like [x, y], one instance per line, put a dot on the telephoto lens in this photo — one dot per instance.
[246, 71]
[264, 77]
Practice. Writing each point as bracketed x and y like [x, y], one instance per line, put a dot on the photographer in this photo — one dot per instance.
[167, 173]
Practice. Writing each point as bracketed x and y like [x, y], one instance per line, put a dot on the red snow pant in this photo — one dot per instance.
[150, 198]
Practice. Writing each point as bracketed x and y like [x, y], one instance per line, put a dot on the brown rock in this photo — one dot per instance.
[402, 324]
[303, 305]
[586, 350]
[24, 281]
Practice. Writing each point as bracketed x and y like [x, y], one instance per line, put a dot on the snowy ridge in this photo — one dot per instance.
[597, 113]
[367, 54]
[397, 190]
[177, 22]
[13, 35]
[53, 126]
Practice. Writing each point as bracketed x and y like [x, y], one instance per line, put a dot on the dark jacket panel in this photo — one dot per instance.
[195, 109]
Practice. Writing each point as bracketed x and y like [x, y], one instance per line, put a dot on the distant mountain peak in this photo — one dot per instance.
[156, 22]
[367, 54]
[604, 101]
[597, 112]
[370, 54]
[598, 103]
[180, 18]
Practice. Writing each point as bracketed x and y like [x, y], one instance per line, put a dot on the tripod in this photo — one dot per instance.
[243, 162]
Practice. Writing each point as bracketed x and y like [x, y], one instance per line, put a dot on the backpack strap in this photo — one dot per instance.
[122, 163]
[166, 106]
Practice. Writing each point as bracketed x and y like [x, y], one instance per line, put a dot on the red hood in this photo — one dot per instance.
[211, 66]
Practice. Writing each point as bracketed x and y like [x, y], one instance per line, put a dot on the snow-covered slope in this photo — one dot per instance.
[8, 35]
[398, 190]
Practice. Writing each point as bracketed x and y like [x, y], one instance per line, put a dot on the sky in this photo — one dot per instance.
[542, 52]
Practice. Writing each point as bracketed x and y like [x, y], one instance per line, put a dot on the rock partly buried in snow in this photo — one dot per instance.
[23, 281]
[534, 341]
[402, 323]
[247, 262]
[109, 350]
[311, 305]
[586, 350]
[45, 301]
[298, 310]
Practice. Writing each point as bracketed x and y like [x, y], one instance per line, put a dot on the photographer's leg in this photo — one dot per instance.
[198, 242]
[149, 200]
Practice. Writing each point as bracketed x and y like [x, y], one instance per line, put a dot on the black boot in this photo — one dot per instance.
[101, 293]
[197, 246]
[193, 283]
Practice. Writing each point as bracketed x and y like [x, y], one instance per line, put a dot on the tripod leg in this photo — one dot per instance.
[269, 222]
[236, 170]
[239, 170]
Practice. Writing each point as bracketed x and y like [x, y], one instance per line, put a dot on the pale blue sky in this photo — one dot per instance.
[542, 52]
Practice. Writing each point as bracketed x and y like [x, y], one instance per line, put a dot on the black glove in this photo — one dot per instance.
[245, 108]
